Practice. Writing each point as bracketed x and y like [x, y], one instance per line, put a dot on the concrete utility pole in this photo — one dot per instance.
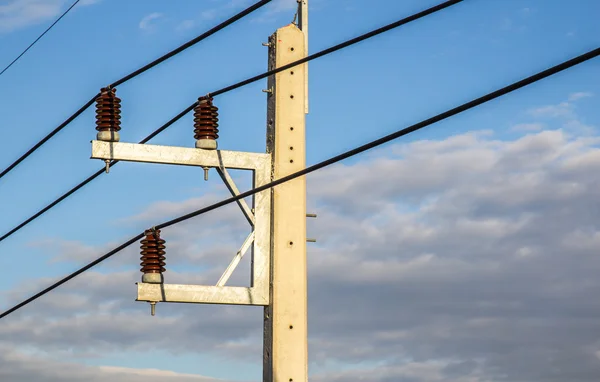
[285, 346]
[277, 216]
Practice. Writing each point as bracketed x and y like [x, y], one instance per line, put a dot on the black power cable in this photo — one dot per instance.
[39, 37]
[136, 73]
[447, 114]
[378, 142]
[237, 85]
[342, 45]
[87, 180]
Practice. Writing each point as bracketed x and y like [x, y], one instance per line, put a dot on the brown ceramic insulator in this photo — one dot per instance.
[153, 252]
[108, 110]
[206, 120]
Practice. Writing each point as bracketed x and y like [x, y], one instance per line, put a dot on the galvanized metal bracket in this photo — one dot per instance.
[259, 217]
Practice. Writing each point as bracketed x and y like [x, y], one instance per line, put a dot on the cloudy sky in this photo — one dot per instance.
[467, 252]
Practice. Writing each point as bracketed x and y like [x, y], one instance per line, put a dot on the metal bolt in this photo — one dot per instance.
[267, 44]
[311, 240]
[107, 168]
[311, 215]
[205, 173]
[270, 91]
[153, 308]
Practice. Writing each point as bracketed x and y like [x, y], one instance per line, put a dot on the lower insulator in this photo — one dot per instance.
[108, 115]
[206, 123]
[152, 254]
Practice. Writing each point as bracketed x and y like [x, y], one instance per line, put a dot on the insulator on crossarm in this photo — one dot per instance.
[152, 257]
[206, 123]
[108, 115]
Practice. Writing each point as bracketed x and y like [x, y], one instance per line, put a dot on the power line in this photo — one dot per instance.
[39, 37]
[86, 181]
[192, 42]
[378, 142]
[342, 45]
[136, 73]
[237, 85]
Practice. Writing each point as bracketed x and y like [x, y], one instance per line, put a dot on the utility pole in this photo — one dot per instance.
[277, 217]
[286, 344]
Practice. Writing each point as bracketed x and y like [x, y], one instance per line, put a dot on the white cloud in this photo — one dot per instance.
[565, 113]
[411, 371]
[579, 95]
[466, 259]
[273, 8]
[536, 126]
[226, 9]
[21, 13]
[580, 128]
[66, 249]
[563, 109]
[147, 22]
[88, 2]
[162, 209]
[186, 25]
[16, 366]
[17, 14]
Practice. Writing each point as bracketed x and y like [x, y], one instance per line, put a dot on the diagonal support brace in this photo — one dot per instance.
[230, 184]
[236, 260]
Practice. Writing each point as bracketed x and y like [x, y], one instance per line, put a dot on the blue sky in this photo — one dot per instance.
[356, 95]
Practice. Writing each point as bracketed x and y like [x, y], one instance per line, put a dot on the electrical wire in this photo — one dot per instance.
[136, 73]
[342, 45]
[87, 180]
[39, 37]
[370, 145]
[237, 85]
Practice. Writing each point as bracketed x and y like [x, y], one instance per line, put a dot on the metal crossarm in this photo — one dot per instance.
[259, 217]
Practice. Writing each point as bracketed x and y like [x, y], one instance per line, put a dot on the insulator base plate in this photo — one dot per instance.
[108, 136]
[206, 144]
[152, 278]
